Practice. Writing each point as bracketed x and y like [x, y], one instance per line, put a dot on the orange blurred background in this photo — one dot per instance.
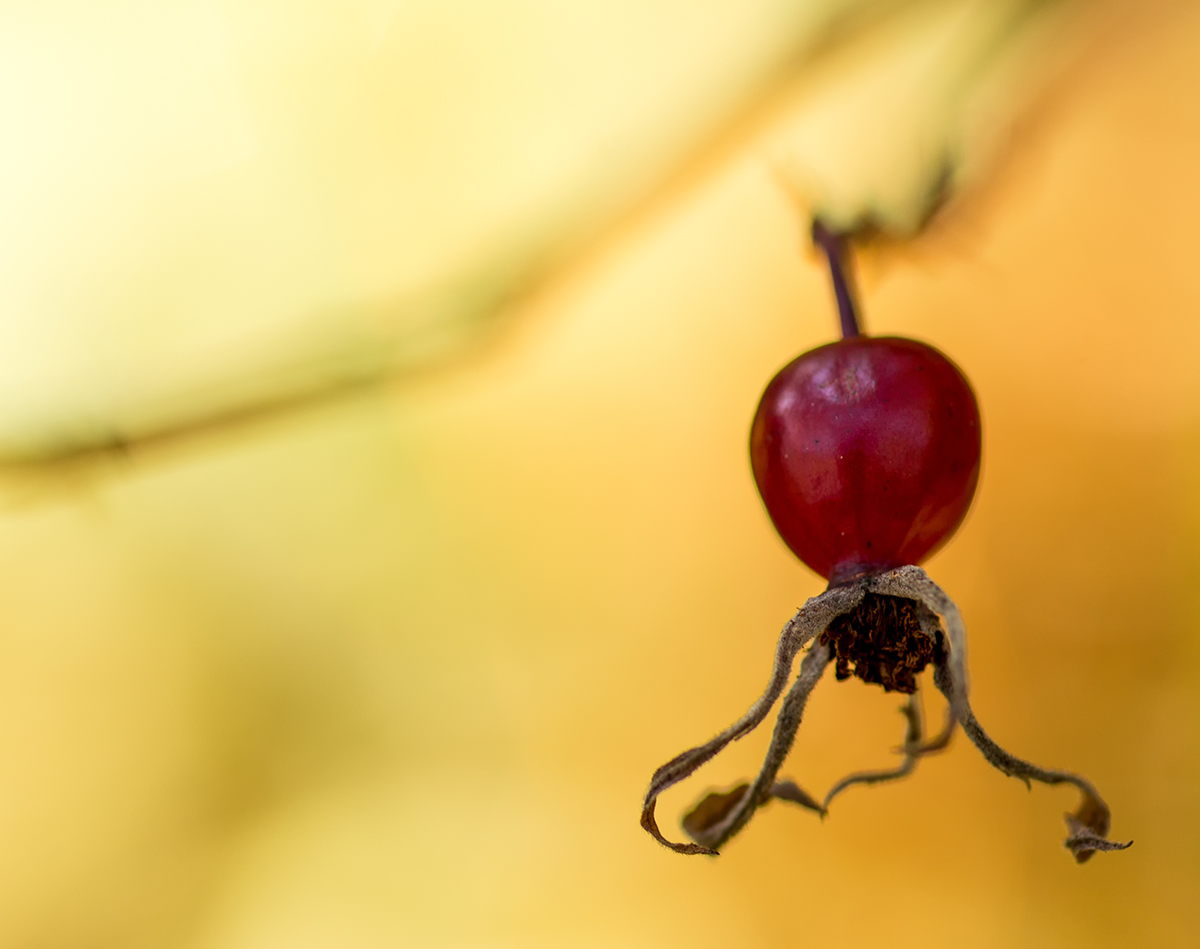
[394, 668]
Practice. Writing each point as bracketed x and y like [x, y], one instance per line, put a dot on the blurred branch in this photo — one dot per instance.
[350, 348]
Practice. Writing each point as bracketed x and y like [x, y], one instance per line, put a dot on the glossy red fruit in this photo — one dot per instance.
[866, 453]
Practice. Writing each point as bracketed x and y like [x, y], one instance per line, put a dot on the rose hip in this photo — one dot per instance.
[866, 453]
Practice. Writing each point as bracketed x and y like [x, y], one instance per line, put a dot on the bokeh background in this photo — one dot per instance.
[374, 390]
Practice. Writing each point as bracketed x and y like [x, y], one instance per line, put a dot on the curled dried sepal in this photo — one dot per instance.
[1084, 841]
[712, 809]
[942, 739]
[811, 620]
[719, 816]
[788, 790]
[914, 748]
[716, 807]
[1090, 823]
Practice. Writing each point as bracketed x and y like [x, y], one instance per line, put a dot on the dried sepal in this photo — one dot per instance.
[721, 814]
[1085, 841]
[811, 620]
[728, 819]
[942, 739]
[788, 790]
[914, 748]
[1089, 825]
[716, 807]
[712, 809]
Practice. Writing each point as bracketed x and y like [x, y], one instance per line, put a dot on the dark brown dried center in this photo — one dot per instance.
[881, 641]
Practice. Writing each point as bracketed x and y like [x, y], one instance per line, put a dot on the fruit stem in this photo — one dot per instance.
[835, 248]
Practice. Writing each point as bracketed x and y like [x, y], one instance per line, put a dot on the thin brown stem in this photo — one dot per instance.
[836, 252]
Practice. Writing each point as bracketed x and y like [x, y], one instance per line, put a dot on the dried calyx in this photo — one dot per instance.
[883, 628]
[880, 641]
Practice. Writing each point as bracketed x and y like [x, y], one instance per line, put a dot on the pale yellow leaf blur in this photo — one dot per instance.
[909, 112]
[209, 206]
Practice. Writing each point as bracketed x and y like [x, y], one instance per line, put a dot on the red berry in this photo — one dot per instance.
[866, 453]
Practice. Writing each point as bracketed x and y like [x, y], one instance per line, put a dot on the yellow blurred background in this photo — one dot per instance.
[393, 667]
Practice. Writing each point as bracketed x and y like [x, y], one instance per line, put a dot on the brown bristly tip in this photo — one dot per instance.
[881, 641]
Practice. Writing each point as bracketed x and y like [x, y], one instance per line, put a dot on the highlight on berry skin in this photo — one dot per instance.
[866, 452]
